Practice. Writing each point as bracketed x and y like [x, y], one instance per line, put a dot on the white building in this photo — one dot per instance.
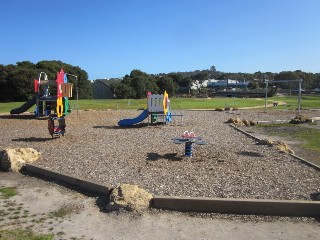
[218, 83]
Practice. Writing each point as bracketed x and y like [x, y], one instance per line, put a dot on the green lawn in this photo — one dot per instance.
[183, 103]
[310, 137]
[176, 103]
[23, 234]
[6, 192]
[292, 101]
[204, 103]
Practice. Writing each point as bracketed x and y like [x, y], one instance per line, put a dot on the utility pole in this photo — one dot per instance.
[266, 96]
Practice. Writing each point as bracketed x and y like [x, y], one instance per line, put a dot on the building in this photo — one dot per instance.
[199, 84]
[213, 83]
[101, 90]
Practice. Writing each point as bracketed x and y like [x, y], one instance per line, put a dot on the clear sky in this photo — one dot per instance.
[109, 38]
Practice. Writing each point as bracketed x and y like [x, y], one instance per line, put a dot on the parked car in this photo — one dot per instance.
[297, 90]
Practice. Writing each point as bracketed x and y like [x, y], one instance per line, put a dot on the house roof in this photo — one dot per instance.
[102, 81]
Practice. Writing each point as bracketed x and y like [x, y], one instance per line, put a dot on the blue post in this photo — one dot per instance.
[188, 149]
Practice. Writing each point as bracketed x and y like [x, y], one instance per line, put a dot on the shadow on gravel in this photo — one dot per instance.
[23, 117]
[107, 127]
[32, 139]
[315, 196]
[250, 154]
[102, 202]
[18, 116]
[168, 156]
[141, 125]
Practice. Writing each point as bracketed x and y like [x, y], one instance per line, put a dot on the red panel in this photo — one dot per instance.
[36, 85]
[60, 80]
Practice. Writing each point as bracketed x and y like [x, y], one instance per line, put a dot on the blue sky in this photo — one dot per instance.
[109, 38]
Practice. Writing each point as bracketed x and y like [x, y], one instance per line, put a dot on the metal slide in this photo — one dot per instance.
[132, 121]
[24, 106]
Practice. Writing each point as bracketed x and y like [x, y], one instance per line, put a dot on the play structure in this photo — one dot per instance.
[51, 99]
[188, 138]
[159, 110]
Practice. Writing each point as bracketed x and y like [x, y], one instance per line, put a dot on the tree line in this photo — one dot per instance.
[137, 83]
[16, 81]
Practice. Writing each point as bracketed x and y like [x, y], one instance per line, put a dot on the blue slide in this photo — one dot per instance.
[24, 107]
[132, 121]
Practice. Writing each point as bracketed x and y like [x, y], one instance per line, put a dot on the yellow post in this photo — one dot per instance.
[165, 102]
[59, 107]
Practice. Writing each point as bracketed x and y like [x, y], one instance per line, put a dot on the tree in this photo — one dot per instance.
[81, 83]
[166, 83]
[213, 71]
[16, 81]
[122, 90]
[201, 76]
[142, 83]
[135, 85]
[176, 77]
[287, 75]
[253, 85]
[21, 83]
[186, 82]
[4, 86]
[181, 81]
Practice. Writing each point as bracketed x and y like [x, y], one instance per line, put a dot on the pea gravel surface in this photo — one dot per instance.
[231, 165]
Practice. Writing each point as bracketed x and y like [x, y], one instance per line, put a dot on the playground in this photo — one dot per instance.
[51, 99]
[230, 165]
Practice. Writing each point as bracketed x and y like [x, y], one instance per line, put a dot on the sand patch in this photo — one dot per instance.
[15, 158]
[129, 197]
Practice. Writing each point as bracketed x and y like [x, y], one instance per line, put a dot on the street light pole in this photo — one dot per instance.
[299, 99]
[266, 96]
[266, 80]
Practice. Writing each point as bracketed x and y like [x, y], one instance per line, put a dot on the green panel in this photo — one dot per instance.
[154, 118]
[66, 106]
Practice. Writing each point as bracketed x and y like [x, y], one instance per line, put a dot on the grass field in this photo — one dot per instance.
[310, 137]
[184, 103]
[23, 234]
[307, 102]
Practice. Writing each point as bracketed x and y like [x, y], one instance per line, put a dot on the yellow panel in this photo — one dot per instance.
[59, 107]
[165, 102]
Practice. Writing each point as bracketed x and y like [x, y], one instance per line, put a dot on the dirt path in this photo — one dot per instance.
[244, 108]
[262, 106]
[45, 207]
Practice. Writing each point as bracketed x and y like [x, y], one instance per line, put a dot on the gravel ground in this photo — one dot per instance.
[231, 165]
